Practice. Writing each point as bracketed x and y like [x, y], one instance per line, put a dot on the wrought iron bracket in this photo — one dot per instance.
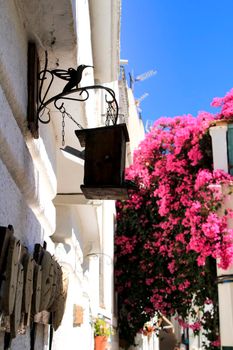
[38, 94]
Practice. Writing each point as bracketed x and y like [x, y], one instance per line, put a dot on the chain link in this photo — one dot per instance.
[63, 129]
[70, 116]
[110, 115]
[66, 114]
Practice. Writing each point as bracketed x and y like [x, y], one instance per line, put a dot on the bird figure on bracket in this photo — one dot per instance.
[74, 76]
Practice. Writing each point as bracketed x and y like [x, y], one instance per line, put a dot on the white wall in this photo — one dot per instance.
[225, 290]
[27, 183]
[29, 170]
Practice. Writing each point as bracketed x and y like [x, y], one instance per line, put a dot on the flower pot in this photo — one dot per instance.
[101, 342]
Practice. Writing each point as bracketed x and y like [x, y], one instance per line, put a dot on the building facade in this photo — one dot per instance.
[41, 204]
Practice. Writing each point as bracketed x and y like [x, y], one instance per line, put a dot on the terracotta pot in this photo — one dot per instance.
[101, 342]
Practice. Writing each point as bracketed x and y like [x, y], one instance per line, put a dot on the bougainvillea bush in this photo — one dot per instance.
[169, 234]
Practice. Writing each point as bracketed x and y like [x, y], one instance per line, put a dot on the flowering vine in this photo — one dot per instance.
[169, 233]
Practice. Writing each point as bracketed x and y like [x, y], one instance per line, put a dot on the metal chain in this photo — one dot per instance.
[66, 114]
[70, 116]
[111, 116]
[63, 129]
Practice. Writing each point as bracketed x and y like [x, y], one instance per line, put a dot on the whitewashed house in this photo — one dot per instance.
[40, 193]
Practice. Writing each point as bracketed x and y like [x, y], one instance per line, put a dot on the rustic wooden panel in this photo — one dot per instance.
[42, 317]
[53, 285]
[36, 296]
[17, 312]
[57, 315]
[59, 288]
[28, 265]
[10, 283]
[47, 265]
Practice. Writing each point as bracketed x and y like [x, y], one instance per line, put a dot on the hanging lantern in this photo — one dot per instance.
[105, 147]
[104, 168]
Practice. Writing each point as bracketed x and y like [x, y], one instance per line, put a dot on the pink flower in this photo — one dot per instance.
[217, 102]
[170, 228]
[204, 177]
[172, 266]
[226, 104]
[196, 326]
[149, 281]
[184, 285]
[216, 342]
[195, 155]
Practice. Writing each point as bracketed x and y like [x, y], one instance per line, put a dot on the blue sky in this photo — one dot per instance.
[190, 45]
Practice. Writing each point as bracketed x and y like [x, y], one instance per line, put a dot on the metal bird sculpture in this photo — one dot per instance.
[74, 76]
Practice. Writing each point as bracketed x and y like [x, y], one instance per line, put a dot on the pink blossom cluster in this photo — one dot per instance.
[195, 326]
[216, 343]
[170, 163]
[226, 104]
[171, 228]
[127, 244]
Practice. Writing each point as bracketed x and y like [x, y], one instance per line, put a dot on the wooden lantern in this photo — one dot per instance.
[105, 149]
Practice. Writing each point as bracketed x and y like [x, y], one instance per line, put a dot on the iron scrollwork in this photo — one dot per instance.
[72, 77]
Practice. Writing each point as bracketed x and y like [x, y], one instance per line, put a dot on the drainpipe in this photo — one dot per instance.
[225, 283]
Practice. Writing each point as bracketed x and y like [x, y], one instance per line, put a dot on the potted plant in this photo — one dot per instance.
[102, 330]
